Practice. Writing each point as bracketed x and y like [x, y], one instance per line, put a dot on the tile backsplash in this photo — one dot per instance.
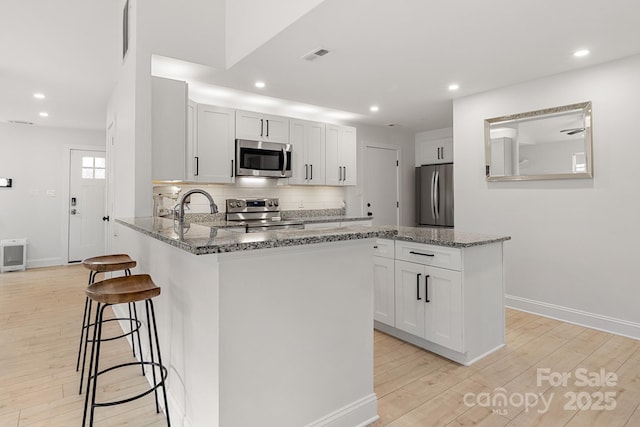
[292, 197]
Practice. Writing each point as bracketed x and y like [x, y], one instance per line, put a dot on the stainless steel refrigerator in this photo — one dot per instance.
[434, 195]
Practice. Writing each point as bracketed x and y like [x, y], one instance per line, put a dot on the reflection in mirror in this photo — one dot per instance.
[554, 143]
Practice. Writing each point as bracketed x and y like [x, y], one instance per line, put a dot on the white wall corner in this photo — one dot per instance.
[250, 23]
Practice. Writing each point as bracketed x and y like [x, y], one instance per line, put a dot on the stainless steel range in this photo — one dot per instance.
[259, 215]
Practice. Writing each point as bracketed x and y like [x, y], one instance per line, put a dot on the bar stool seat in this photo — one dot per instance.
[122, 290]
[138, 287]
[105, 264]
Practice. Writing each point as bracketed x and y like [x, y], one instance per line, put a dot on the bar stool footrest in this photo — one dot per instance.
[161, 382]
[126, 319]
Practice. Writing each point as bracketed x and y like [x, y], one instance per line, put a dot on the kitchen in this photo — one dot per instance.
[559, 269]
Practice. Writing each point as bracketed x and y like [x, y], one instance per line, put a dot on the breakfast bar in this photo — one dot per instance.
[267, 328]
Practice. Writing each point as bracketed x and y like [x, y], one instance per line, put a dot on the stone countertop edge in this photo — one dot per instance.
[233, 242]
[202, 243]
[446, 237]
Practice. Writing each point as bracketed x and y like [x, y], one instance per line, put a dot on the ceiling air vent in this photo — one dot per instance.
[20, 122]
[315, 54]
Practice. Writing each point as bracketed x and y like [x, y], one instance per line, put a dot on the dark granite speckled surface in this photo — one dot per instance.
[201, 239]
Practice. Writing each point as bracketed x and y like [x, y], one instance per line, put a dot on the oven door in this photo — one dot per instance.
[260, 158]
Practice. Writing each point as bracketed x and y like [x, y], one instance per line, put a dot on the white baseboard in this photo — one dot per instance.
[44, 262]
[576, 317]
[359, 414]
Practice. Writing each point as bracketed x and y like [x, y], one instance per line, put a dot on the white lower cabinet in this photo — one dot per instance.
[447, 300]
[429, 303]
[383, 282]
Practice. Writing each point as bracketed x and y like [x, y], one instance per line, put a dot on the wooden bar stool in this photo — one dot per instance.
[105, 264]
[120, 290]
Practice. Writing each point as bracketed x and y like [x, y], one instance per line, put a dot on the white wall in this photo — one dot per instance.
[34, 157]
[574, 248]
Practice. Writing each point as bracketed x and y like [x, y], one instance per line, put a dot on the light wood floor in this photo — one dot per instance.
[41, 309]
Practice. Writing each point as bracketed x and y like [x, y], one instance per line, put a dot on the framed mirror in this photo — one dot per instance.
[554, 143]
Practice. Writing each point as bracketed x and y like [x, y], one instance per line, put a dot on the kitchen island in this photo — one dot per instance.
[270, 329]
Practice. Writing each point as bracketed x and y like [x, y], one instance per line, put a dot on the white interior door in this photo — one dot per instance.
[381, 185]
[86, 204]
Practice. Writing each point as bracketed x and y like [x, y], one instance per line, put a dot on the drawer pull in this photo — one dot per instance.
[375, 247]
[418, 253]
[426, 289]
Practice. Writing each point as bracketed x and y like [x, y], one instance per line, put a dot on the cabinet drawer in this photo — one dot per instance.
[437, 256]
[384, 248]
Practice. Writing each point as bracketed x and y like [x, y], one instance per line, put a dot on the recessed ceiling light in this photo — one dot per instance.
[374, 108]
[581, 53]
[38, 95]
[454, 86]
[260, 85]
[44, 114]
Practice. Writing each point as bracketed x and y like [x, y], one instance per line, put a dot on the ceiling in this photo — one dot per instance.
[399, 55]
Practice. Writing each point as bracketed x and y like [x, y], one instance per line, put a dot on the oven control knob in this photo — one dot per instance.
[270, 203]
[232, 204]
[240, 203]
[275, 202]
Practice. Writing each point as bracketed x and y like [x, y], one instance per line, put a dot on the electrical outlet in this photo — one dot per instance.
[51, 193]
[301, 204]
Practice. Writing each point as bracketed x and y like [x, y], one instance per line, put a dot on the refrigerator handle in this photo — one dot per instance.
[432, 193]
[436, 193]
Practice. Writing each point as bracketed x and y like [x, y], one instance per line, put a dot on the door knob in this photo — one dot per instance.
[369, 213]
[105, 218]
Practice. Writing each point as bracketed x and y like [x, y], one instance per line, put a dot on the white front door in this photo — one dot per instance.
[381, 185]
[86, 204]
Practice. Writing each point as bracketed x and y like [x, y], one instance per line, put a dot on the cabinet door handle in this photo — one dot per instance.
[438, 153]
[261, 127]
[197, 165]
[418, 286]
[306, 175]
[442, 153]
[232, 170]
[418, 253]
[345, 173]
[311, 167]
[426, 289]
[267, 128]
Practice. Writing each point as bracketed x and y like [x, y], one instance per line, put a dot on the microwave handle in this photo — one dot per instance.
[284, 162]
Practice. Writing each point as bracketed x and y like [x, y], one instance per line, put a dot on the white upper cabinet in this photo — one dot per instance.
[261, 127]
[168, 129]
[308, 152]
[434, 151]
[214, 145]
[434, 147]
[341, 155]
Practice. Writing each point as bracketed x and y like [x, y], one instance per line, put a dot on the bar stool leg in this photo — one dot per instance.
[85, 320]
[86, 341]
[157, 342]
[135, 315]
[93, 373]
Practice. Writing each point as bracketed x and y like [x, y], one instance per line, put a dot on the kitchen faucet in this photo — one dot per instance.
[186, 198]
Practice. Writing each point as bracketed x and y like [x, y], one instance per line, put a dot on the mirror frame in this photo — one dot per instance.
[584, 107]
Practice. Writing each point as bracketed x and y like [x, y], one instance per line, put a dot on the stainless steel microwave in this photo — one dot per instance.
[261, 158]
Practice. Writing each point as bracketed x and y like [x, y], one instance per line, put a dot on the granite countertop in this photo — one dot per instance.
[202, 239]
[331, 218]
[219, 221]
[446, 237]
